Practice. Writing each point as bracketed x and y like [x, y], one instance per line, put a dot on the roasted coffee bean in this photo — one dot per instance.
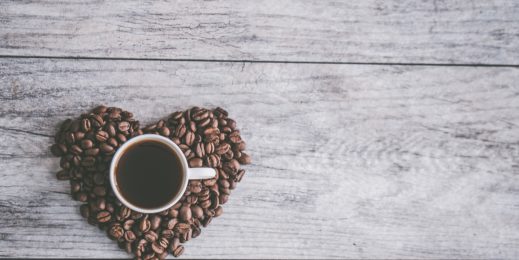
[62, 175]
[101, 136]
[85, 125]
[185, 213]
[128, 224]
[144, 225]
[200, 115]
[103, 216]
[129, 236]
[232, 166]
[110, 130]
[192, 126]
[106, 148]
[100, 191]
[100, 109]
[189, 138]
[213, 160]
[74, 186]
[200, 150]
[222, 148]
[149, 256]
[164, 131]
[178, 251]
[101, 203]
[223, 183]
[206, 221]
[167, 233]
[197, 211]
[205, 204]
[195, 162]
[116, 231]
[204, 122]
[182, 228]
[92, 152]
[151, 236]
[87, 144]
[155, 222]
[157, 248]
[70, 138]
[223, 198]
[99, 179]
[84, 210]
[124, 213]
[170, 224]
[209, 182]
[122, 138]
[196, 231]
[112, 142]
[172, 213]
[192, 199]
[180, 131]
[110, 207]
[209, 148]
[218, 211]
[220, 112]
[81, 196]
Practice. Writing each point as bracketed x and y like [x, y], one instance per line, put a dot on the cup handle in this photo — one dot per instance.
[200, 173]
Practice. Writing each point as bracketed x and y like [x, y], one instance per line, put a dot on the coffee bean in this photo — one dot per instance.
[218, 211]
[182, 228]
[100, 191]
[223, 198]
[84, 210]
[128, 224]
[92, 152]
[144, 225]
[204, 122]
[101, 203]
[100, 109]
[155, 222]
[197, 211]
[192, 126]
[81, 196]
[200, 150]
[200, 115]
[110, 207]
[151, 236]
[189, 138]
[164, 242]
[62, 175]
[55, 150]
[223, 148]
[195, 162]
[180, 131]
[209, 182]
[223, 183]
[112, 142]
[167, 233]
[178, 251]
[192, 199]
[122, 138]
[206, 221]
[170, 224]
[103, 216]
[164, 131]
[196, 231]
[220, 112]
[110, 130]
[70, 138]
[101, 136]
[129, 236]
[213, 160]
[106, 148]
[185, 213]
[232, 166]
[85, 125]
[149, 256]
[173, 213]
[157, 248]
[74, 186]
[116, 231]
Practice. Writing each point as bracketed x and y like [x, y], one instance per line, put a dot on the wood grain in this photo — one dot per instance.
[349, 161]
[401, 31]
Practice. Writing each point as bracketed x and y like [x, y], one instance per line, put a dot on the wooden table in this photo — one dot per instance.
[378, 129]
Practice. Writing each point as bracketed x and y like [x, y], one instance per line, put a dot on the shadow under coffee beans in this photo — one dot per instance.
[149, 174]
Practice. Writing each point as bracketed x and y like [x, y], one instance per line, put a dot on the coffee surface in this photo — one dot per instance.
[149, 174]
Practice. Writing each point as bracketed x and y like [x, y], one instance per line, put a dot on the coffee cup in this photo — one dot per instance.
[150, 173]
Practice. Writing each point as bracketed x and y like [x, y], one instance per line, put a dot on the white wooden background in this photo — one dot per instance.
[378, 129]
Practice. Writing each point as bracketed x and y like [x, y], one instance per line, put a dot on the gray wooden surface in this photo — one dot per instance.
[371, 160]
[349, 161]
[407, 31]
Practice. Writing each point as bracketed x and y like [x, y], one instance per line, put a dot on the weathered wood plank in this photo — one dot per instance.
[406, 31]
[349, 161]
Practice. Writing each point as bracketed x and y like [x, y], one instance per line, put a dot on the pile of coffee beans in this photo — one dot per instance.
[208, 138]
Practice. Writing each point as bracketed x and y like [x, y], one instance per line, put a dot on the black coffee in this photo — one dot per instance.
[149, 174]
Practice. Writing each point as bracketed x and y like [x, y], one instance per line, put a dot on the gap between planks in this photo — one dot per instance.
[262, 61]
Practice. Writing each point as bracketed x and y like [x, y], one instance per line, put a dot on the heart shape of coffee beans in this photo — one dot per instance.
[208, 138]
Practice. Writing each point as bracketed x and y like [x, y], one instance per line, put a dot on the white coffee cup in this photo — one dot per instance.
[187, 173]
